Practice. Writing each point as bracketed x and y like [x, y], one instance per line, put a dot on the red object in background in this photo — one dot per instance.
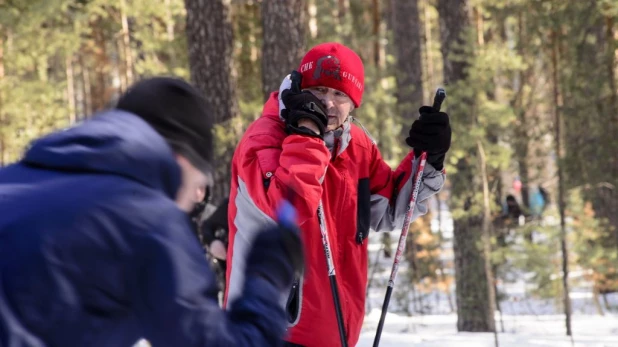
[517, 185]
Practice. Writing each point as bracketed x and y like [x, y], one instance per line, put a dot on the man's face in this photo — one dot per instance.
[200, 193]
[337, 103]
[193, 183]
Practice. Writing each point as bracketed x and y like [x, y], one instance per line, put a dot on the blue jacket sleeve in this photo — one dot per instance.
[175, 293]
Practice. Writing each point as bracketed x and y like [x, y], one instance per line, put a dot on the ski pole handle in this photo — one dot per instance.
[439, 98]
[296, 78]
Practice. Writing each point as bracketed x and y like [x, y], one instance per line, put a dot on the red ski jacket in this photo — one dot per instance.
[359, 192]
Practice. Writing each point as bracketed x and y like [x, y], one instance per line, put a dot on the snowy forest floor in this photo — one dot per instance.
[526, 321]
[520, 330]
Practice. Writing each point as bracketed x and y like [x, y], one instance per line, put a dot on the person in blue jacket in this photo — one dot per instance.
[96, 245]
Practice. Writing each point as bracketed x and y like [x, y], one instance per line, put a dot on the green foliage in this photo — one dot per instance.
[40, 37]
[480, 113]
[591, 238]
[538, 262]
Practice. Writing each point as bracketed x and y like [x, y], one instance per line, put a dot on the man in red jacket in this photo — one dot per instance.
[304, 145]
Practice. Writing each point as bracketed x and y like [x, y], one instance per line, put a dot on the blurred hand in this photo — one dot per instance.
[277, 254]
[218, 250]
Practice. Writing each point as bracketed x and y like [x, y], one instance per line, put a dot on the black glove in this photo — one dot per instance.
[302, 105]
[431, 133]
[277, 254]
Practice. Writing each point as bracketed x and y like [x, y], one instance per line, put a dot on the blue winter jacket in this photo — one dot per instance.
[94, 251]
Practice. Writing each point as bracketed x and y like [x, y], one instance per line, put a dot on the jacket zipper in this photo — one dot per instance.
[335, 149]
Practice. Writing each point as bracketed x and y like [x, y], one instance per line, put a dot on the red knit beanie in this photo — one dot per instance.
[335, 66]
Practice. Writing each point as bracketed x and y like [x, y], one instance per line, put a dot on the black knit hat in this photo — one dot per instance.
[178, 112]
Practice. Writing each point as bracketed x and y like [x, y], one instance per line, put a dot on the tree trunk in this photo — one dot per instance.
[139, 56]
[454, 20]
[387, 245]
[100, 89]
[491, 293]
[313, 19]
[70, 89]
[561, 194]
[611, 197]
[343, 9]
[430, 74]
[440, 263]
[169, 21]
[487, 219]
[472, 288]
[2, 116]
[606, 302]
[407, 39]
[375, 28]
[210, 41]
[169, 30]
[284, 41]
[120, 66]
[85, 84]
[596, 301]
[126, 44]
[521, 127]
[612, 57]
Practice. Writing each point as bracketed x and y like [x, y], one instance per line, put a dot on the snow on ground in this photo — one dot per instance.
[520, 330]
[527, 321]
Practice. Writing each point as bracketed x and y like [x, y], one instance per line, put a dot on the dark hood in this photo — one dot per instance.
[112, 142]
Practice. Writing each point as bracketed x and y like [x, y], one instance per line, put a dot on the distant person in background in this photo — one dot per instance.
[508, 221]
[512, 209]
[539, 200]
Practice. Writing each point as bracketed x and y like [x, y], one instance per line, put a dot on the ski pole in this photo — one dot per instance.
[416, 183]
[295, 78]
[331, 275]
